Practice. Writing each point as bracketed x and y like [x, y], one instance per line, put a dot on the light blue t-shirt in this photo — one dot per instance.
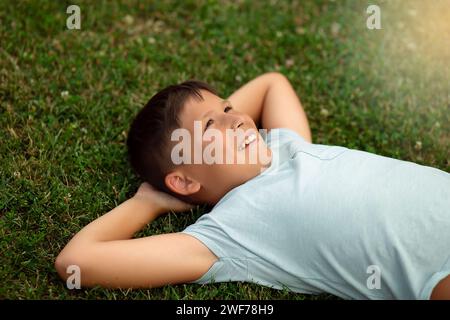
[332, 219]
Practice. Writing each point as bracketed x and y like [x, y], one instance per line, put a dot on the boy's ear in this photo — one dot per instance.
[179, 183]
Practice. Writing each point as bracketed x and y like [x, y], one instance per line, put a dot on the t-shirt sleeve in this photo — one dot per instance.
[232, 264]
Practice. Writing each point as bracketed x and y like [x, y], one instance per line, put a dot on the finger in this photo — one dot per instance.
[185, 207]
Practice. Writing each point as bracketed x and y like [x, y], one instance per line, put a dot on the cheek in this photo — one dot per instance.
[227, 147]
[217, 178]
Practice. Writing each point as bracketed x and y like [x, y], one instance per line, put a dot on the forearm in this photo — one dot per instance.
[249, 98]
[106, 255]
[120, 223]
[282, 108]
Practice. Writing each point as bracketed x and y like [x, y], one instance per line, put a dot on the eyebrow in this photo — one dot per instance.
[223, 102]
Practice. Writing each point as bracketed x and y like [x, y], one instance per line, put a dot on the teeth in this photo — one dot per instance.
[248, 140]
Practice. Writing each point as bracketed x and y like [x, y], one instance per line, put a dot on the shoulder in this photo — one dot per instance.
[279, 136]
[283, 134]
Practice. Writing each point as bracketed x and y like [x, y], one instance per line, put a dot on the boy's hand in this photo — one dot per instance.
[163, 201]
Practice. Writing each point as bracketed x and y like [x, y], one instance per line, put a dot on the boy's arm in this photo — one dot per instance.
[272, 103]
[108, 257]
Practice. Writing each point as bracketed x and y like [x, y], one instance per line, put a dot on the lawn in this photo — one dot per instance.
[67, 98]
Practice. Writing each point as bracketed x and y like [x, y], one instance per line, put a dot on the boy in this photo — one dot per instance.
[313, 218]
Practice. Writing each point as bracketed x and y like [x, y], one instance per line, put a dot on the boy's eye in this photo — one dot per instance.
[227, 108]
[210, 122]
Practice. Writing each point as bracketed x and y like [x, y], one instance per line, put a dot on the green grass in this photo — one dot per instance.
[63, 159]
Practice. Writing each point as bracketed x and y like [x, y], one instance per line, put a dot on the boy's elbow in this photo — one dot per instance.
[75, 265]
[275, 75]
[61, 264]
[64, 261]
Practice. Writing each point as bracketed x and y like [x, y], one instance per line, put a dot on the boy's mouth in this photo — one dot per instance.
[249, 139]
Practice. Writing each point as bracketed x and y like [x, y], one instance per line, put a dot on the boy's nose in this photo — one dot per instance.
[234, 121]
[237, 123]
[231, 121]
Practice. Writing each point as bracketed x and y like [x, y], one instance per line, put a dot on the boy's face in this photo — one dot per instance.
[230, 150]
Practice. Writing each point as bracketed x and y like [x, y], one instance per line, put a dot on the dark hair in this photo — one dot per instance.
[149, 134]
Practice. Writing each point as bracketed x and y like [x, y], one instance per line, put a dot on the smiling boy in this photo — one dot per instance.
[313, 218]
